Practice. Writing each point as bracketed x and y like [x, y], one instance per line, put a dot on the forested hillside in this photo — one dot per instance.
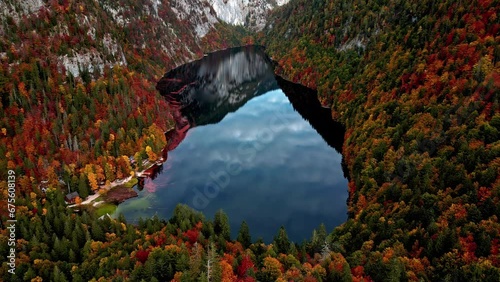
[77, 80]
[416, 84]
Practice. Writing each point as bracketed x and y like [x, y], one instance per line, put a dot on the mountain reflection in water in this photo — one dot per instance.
[205, 91]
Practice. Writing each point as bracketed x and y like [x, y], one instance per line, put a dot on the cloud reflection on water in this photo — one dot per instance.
[293, 179]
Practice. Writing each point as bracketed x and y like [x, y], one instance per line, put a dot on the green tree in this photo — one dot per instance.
[97, 232]
[281, 241]
[30, 274]
[318, 239]
[58, 275]
[221, 225]
[83, 187]
[244, 235]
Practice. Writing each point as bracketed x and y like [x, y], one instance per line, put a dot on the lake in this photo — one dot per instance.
[250, 143]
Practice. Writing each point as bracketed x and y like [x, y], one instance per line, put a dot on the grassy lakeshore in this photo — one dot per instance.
[105, 208]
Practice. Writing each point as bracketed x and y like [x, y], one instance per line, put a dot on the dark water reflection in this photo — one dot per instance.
[259, 147]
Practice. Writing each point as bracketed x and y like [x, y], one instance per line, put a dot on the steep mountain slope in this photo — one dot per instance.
[169, 33]
[77, 76]
[56, 55]
[92, 33]
[251, 13]
[417, 85]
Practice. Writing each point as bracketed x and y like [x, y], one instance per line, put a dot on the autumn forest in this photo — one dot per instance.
[416, 84]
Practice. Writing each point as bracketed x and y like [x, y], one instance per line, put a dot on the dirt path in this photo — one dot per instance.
[92, 198]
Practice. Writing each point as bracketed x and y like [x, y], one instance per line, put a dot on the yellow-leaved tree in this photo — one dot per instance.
[151, 155]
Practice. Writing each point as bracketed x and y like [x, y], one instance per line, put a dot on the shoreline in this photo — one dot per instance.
[91, 199]
[149, 166]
